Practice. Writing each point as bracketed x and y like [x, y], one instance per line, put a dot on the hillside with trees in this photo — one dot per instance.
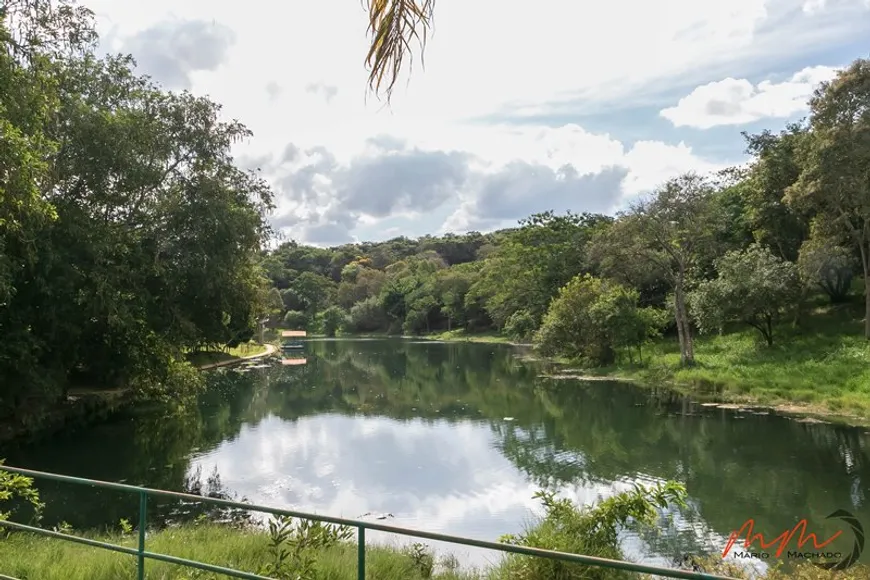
[779, 246]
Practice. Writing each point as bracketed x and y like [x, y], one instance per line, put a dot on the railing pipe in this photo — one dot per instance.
[361, 526]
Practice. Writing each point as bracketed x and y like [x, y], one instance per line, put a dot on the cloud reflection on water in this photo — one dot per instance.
[430, 475]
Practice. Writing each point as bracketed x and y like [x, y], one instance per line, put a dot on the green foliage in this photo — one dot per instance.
[533, 262]
[14, 486]
[754, 286]
[591, 531]
[777, 167]
[126, 526]
[592, 318]
[294, 545]
[833, 184]
[825, 265]
[295, 320]
[367, 316]
[332, 319]
[422, 559]
[127, 233]
[520, 325]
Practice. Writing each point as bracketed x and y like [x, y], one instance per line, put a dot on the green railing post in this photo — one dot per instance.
[143, 514]
[361, 554]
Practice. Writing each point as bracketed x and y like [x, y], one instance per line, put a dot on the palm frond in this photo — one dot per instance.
[393, 25]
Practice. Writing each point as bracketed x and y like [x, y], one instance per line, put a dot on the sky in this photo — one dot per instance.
[579, 106]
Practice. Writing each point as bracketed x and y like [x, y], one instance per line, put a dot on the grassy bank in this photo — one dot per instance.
[30, 557]
[821, 367]
[462, 335]
[25, 556]
[210, 357]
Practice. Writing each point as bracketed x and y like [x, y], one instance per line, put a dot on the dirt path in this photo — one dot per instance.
[270, 350]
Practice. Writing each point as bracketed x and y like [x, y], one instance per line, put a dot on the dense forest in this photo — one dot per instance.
[750, 245]
[127, 234]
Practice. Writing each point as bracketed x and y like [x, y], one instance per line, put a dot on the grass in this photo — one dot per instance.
[290, 548]
[209, 357]
[28, 557]
[461, 335]
[821, 367]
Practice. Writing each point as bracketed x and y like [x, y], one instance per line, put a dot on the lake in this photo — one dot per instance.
[456, 438]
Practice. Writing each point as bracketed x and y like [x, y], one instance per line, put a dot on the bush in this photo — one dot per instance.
[333, 319]
[520, 325]
[18, 487]
[367, 316]
[592, 319]
[754, 286]
[591, 531]
[296, 320]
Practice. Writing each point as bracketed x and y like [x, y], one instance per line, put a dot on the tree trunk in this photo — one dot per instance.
[865, 264]
[866, 304]
[680, 336]
[687, 351]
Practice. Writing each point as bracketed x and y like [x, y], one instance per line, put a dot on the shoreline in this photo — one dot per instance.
[804, 412]
[793, 410]
[270, 350]
[87, 406]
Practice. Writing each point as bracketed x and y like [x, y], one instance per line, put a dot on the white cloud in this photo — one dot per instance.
[498, 176]
[737, 101]
[173, 50]
[294, 74]
[653, 162]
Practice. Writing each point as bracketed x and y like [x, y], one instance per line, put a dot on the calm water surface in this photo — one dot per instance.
[456, 438]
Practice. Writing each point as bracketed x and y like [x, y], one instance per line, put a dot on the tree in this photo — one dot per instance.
[666, 235]
[592, 318]
[833, 182]
[452, 286]
[274, 304]
[333, 318]
[362, 283]
[295, 320]
[128, 234]
[315, 291]
[367, 316]
[825, 265]
[754, 286]
[775, 168]
[533, 262]
[520, 325]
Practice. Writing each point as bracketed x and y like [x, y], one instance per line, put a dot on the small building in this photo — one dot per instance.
[293, 334]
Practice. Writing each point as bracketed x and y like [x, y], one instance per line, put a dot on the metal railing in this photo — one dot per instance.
[142, 554]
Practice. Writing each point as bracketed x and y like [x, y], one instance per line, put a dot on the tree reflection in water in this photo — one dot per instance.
[562, 434]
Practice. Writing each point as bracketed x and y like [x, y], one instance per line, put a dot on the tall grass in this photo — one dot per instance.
[30, 557]
[822, 364]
